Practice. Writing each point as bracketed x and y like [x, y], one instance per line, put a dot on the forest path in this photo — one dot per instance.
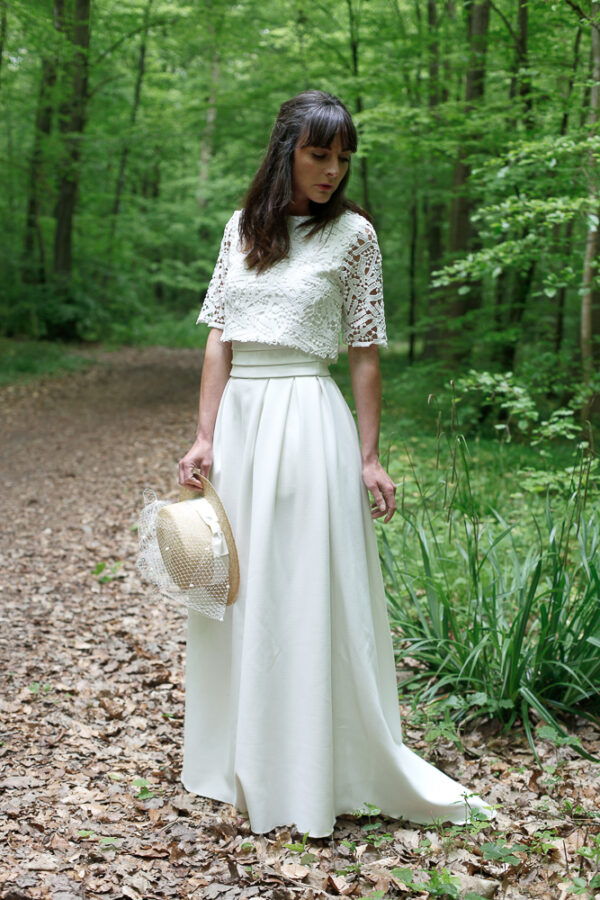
[91, 676]
[91, 669]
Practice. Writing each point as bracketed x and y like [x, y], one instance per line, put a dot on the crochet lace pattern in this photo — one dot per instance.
[329, 283]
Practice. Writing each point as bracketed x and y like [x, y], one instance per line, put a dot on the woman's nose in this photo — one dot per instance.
[332, 169]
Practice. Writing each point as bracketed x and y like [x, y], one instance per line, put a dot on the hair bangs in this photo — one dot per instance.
[324, 123]
[311, 118]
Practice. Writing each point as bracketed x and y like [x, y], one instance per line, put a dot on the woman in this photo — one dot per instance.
[291, 702]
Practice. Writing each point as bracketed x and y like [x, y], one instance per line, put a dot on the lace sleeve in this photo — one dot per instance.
[213, 305]
[363, 321]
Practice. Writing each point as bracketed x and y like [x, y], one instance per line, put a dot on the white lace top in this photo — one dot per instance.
[329, 282]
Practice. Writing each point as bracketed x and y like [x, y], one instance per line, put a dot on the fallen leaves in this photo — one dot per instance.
[92, 697]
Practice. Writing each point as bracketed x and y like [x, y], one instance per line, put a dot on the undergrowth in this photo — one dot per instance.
[499, 622]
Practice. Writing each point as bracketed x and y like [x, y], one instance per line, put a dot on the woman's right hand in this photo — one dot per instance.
[199, 456]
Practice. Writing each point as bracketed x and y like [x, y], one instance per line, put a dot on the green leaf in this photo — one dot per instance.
[144, 794]
[404, 875]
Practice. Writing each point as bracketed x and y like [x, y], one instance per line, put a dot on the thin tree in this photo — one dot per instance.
[137, 95]
[567, 242]
[34, 265]
[434, 207]
[354, 23]
[72, 118]
[518, 287]
[461, 236]
[591, 244]
[3, 29]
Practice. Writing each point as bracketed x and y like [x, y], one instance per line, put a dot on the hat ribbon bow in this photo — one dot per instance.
[206, 513]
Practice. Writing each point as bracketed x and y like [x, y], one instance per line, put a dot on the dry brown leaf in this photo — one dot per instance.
[108, 661]
[339, 884]
[294, 870]
[43, 862]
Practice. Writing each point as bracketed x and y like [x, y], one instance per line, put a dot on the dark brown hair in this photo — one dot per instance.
[312, 118]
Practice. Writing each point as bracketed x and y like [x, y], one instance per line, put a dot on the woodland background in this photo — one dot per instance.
[131, 130]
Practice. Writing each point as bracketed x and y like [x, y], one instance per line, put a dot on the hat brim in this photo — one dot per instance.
[209, 492]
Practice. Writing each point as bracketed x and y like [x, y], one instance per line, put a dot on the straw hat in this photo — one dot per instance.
[187, 549]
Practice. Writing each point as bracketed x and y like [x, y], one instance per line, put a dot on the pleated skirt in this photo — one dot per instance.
[291, 705]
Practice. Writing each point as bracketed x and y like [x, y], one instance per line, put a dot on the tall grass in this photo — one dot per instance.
[494, 623]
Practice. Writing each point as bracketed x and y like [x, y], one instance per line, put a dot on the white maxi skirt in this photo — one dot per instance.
[291, 709]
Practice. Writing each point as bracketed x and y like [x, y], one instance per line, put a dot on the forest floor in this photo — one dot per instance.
[92, 696]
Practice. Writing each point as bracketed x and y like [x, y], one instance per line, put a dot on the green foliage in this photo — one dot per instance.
[35, 687]
[144, 792]
[440, 884]
[296, 847]
[512, 397]
[181, 98]
[509, 628]
[106, 573]
[24, 360]
[500, 852]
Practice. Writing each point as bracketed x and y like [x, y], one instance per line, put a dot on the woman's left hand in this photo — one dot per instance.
[382, 488]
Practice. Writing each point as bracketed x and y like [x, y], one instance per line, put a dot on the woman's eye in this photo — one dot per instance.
[345, 159]
[319, 155]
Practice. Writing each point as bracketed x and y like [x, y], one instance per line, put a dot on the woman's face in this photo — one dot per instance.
[316, 174]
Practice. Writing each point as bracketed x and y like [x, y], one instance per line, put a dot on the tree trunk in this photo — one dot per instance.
[34, 271]
[524, 80]
[520, 86]
[567, 243]
[354, 49]
[137, 94]
[434, 212]
[300, 22]
[206, 144]
[460, 237]
[565, 119]
[520, 292]
[3, 29]
[516, 298]
[433, 57]
[412, 272]
[591, 245]
[72, 124]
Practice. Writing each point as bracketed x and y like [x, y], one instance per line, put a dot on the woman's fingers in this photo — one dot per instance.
[379, 504]
[189, 467]
[390, 498]
[383, 490]
[199, 457]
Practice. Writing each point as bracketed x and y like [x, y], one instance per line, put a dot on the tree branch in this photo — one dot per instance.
[578, 9]
[506, 22]
[580, 12]
[132, 33]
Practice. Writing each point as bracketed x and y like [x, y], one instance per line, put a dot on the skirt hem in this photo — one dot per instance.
[319, 833]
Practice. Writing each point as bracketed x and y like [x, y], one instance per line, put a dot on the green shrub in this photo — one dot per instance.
[507, 619]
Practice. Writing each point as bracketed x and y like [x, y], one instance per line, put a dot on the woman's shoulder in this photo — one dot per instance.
[356, 227]
[234, 218]
[231, 230]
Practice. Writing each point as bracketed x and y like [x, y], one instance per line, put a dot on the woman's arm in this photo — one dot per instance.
[366, 387]
[215, 372]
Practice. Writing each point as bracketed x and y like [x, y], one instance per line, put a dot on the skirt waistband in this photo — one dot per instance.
[252, 360]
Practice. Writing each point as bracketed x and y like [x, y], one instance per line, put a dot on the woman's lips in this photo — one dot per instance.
[325, 187]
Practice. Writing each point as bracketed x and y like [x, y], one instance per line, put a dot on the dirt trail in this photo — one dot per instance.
[91, 677]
